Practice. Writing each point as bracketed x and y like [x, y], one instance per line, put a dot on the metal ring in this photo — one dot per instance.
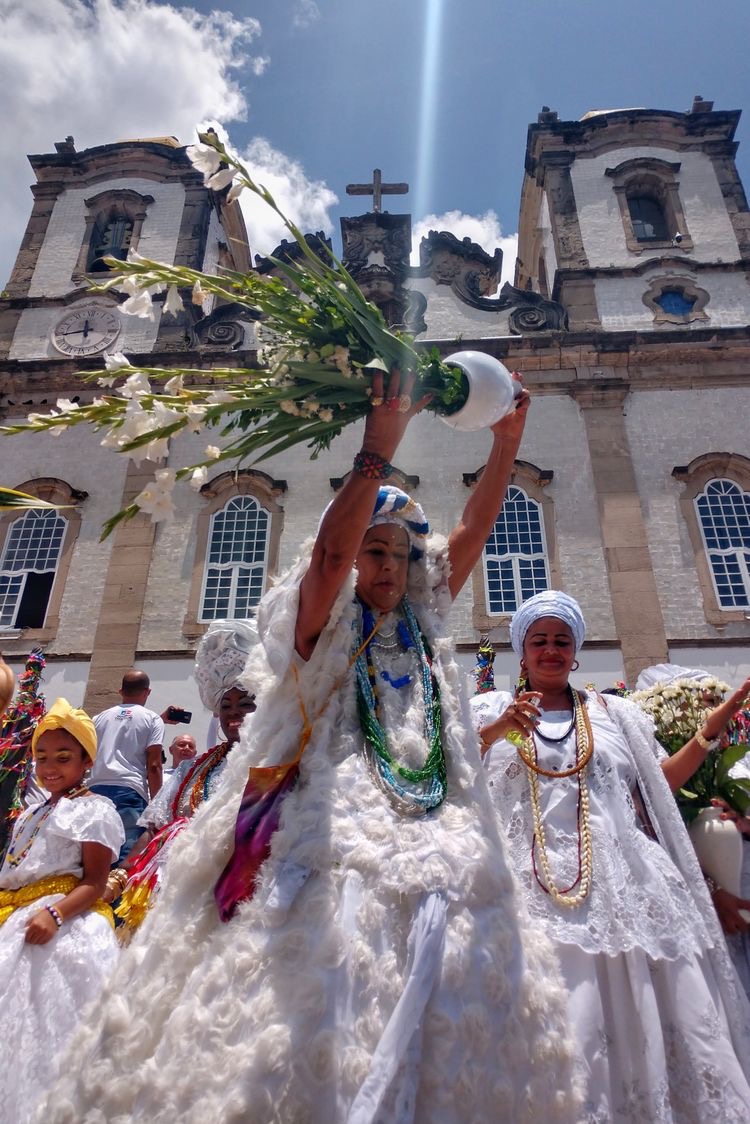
[404, 404]
[377, 400]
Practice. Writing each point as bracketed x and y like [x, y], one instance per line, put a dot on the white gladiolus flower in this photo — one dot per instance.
[220, 179]
[173, 304]
[156, 497]
[325, 414]
[114, 361]
[217, 396]
[204, 159]
[135, 257]
[200, 296]
[135, 385]
[140, 305]
[235, 191]
[289, 406]
[195, 415]
[65, 406]
[213, 452]
[199, 477]
[174, 385]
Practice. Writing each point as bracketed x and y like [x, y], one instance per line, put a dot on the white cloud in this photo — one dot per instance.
[104, 70]
[484, 229]
[306, 202]
[306, 12]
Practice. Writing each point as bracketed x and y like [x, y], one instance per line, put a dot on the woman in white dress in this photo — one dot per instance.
[607, 869]
[219, 663]
[57, 943]
[378, 965]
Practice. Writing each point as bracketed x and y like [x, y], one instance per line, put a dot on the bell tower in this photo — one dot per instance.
[636, 219]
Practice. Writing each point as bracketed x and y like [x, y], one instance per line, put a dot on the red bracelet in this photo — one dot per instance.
[372, 466]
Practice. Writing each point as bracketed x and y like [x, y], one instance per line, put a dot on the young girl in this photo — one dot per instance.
[57, 943]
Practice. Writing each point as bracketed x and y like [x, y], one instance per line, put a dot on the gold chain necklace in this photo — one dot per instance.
[584, 750]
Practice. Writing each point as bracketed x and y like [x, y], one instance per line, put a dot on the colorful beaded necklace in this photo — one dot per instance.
[198, 781]
[413, 792]
[14, 857]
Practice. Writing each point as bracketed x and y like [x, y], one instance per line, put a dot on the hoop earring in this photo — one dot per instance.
[575, 666]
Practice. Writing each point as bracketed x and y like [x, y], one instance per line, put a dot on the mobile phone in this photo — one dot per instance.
[177, 714]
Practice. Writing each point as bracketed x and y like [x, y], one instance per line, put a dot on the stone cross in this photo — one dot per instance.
[377, 189]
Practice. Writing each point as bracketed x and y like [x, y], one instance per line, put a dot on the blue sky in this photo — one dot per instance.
[316, 93]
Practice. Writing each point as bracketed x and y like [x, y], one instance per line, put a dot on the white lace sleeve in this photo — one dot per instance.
[159, 812]
[488, 706]
[90, 819]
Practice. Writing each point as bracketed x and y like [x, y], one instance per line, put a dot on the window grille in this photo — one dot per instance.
[110, 237]
[515, 556]
[724, 516]
[236, 560]
[27, 568]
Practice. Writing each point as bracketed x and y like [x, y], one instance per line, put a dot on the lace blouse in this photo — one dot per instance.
[638, 899]
[55, 834]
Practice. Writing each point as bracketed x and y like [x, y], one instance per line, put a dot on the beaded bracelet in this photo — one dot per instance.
[55, 915]
[372, 466]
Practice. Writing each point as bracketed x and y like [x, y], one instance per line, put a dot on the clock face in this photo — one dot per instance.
[86, 330]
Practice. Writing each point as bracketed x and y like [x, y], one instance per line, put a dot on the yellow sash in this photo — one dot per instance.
[11, 900]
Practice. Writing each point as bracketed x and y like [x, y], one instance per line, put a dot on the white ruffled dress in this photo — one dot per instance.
[385, 970]
[663, 1028]
[44, 988]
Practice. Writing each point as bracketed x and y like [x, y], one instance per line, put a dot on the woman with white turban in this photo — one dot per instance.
[373, 962]
[607, 870]
[219, 665]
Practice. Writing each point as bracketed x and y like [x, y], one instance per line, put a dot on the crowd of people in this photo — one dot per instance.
[374, 900]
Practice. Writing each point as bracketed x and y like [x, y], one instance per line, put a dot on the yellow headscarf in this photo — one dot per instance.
[62, 716]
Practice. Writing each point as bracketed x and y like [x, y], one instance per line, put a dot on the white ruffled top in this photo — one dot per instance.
[56, 848]
[638, 898]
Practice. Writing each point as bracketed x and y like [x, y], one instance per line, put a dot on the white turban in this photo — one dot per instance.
[551, 603]
[221, 657]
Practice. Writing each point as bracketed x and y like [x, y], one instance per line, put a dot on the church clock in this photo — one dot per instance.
[86, 330]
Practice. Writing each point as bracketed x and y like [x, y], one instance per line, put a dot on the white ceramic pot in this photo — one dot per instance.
[492, 391]
[718, 845]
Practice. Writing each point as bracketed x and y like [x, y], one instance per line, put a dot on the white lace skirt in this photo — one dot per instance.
[654, 1040]
[43, 990]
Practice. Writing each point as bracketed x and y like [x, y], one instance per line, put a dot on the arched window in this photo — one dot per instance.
[723, 510]
[235, 572]
[715, 505]
[110, 237]
[515, 556]
[114, 220]
[648, 194]
[36, 551]
[648, 218]
[28, 565]
[237, 538]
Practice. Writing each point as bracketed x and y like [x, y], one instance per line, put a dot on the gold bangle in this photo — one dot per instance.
[705, 743]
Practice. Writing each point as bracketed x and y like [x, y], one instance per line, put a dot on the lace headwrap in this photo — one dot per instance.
[62, 716]
[220, 659]
[551, 603]
[666, 673]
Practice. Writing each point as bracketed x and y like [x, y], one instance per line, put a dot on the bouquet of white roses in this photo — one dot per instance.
[311, 380]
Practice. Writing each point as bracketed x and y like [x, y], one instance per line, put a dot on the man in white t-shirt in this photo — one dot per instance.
[128, 767]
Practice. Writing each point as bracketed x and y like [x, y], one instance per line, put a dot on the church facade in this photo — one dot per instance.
[628, 319]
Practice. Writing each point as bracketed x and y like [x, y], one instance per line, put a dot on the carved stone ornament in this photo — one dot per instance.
[224, 329]
[290, 251]
[376, 252]
[464, 265]
[532, 312]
